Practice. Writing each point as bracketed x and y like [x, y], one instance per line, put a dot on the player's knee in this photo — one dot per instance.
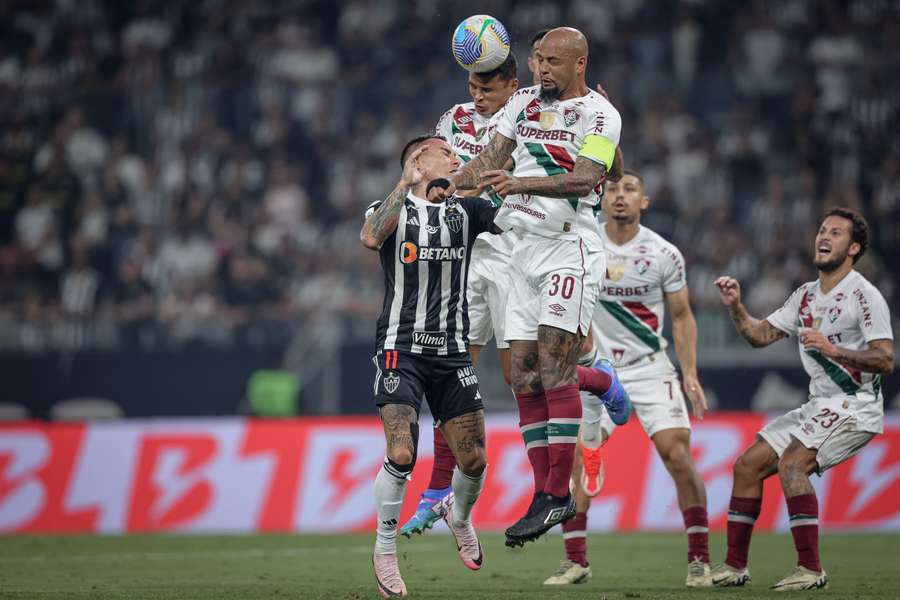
[473, 463]
[402, 456]
[677, 459]
[746, 470]
[793, 464]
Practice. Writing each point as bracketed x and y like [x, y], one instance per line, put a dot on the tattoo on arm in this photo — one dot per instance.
[877, 358]
[383, 222]
[397, 419]
[498, 150]
[585, 176]
[757, 333]
[558, 351]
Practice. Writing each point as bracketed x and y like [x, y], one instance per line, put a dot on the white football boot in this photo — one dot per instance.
[724, 575]
[569, 572]
[698, 574]
[802, 578]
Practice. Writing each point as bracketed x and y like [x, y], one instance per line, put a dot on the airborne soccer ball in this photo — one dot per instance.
[480, 43]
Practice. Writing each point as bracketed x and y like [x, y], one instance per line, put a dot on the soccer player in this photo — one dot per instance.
[846, 344]
[562, 137]
[422, 343]
[644, 275]
[468, 128]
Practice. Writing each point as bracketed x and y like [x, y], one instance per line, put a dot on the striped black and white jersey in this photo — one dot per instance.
[426, 267]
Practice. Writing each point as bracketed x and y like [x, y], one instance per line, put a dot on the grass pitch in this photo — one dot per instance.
[643, 566]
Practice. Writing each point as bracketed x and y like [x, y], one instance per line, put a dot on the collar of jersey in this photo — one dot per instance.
[419, 201]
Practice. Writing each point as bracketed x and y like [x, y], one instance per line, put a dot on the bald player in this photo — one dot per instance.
[562, 136]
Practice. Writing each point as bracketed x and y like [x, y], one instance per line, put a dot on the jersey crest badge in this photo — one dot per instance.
[453, 220]
[833, 314]
[571, 116]
[463, 122]
[641, 264]
[391, 382]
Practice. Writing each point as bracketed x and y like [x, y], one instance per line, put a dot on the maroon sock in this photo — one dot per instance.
[533, 425]
[593, 380]
[575, 538]
[564, 407]
[804, 514]
[444, 461]
[742, 514]
[696, 524]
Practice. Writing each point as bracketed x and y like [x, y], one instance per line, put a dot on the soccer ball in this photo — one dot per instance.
[480, 43]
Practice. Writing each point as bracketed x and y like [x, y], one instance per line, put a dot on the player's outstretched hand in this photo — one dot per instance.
[729, 290]
[816, 340]
[411, 173]
[502, 182]
[694, 392]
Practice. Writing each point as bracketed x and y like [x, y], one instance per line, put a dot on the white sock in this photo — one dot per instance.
[466, 490]
[389, 492]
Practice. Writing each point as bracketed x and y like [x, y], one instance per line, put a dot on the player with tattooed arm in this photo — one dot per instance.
[422, 344]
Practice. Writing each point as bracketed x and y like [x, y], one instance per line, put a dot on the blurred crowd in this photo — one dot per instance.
[176, 172]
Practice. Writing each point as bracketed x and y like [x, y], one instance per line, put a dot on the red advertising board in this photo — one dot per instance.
[316, 475]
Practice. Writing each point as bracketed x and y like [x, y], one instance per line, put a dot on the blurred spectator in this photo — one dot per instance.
[208, 163]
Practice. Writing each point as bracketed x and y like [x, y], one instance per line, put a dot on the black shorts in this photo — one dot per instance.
[448, 383]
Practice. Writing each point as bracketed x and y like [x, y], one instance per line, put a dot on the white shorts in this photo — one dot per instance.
[822, 424]
[656, 397]
[553, 282]
[487, 291]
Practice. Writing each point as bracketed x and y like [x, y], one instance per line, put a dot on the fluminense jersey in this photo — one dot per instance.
[851, 315]
[468, 133]
[426, 265]
[629, 316]
[549, 137]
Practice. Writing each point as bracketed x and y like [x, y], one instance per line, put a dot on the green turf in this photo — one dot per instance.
[645, 566]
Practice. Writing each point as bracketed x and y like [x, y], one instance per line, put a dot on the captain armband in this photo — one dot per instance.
[599, 149]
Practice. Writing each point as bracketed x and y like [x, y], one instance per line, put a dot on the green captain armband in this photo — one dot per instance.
[598, 149]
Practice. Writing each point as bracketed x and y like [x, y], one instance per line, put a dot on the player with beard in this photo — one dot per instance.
[562, 137]
[843, 327]
[422, 344]
[645, 275]
[468, 128]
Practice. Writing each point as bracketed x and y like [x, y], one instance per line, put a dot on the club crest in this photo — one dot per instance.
[571, 116]
[454, 220]
[833, 314]
[641, 264]
[391, 382]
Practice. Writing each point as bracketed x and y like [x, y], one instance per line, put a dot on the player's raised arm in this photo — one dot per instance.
[684, 333]
[381, 221]
[758, 333]
[498, 151]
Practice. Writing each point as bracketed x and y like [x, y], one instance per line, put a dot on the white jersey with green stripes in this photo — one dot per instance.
[549, 137]
[468, 133]
[629, 317]
[851, 315]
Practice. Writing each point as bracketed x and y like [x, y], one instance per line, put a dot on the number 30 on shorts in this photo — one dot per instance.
[567, 286]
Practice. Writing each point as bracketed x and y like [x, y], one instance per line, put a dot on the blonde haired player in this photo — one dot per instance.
[843, 327]
[645, 273]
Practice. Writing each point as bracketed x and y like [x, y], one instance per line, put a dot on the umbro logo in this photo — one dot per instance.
[413, 220]
[557, 307]
[555, 515]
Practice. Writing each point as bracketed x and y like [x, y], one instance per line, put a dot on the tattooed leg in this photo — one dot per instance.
[465, 435]
[558, 352]
[401, 424]
[524, 367]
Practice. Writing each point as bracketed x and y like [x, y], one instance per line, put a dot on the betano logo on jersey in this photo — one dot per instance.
[410, 253]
